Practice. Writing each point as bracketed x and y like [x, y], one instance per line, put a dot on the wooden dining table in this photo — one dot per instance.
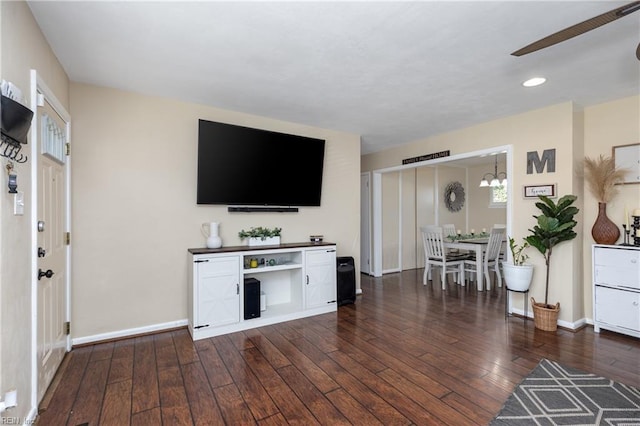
[476, 245]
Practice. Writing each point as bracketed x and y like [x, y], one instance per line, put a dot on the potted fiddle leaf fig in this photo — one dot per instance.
[518, 273]
[554, 225]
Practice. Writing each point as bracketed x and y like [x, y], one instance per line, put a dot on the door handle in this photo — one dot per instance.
[41, 273]
[41, 226]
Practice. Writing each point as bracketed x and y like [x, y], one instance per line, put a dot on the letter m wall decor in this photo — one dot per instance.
[548, 159]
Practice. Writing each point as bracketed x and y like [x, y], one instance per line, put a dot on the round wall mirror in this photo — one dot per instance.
[454, 196]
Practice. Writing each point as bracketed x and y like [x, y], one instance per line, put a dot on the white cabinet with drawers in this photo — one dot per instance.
[616, 292]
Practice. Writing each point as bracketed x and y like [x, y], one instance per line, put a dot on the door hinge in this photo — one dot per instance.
[67, 238]
[67, 328]
[67, 147]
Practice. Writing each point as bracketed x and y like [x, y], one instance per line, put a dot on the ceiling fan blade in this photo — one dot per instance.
[581, 28]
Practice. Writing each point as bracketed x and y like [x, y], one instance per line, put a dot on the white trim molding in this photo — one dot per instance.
[130, 332]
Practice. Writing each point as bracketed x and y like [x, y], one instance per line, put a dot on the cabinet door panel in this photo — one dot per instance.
[618, 307]
[320, 285]
[218, 292]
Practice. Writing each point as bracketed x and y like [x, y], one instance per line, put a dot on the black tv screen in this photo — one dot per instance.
[244, 166]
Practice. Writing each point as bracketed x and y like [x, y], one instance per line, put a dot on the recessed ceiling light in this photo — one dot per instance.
[532, 82]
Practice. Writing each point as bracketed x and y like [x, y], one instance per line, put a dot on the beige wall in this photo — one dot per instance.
[23, 48]
[134, 208]
[546, 128]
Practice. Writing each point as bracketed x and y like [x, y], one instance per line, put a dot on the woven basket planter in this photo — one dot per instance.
[545, 318]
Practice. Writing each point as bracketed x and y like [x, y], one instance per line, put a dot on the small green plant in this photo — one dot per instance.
[260, 232]
[517, 252]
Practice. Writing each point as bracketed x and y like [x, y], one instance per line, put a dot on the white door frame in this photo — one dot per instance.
[376, 193]
[365, 224]
[39, 92]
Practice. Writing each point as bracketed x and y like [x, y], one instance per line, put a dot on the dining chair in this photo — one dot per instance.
[435, 254]
[449, 230]
[490, 257]
[500, 225]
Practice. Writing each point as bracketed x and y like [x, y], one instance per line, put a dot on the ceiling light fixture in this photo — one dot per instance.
[495, 177]
[533, 82]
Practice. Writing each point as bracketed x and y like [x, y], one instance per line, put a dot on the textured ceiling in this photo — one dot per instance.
[392, 72]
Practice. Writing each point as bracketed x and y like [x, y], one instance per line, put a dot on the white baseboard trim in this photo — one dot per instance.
[358, 291]
[573, 326]
[31, 417]
[128, 332]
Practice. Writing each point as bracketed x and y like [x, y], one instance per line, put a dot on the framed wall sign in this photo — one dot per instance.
[628, 157]
[532, 191]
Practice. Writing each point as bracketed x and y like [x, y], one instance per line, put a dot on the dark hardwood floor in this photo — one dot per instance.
[404, 353]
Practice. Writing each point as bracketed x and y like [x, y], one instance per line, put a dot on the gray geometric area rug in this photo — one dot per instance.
[553, 394]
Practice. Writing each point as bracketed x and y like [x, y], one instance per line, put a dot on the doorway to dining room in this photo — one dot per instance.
[403, 198]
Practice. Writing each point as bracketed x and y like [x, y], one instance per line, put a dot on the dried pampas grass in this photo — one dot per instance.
[601, 175]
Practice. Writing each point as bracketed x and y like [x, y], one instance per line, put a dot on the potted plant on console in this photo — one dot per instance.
[554, 226]
[261, 236]
[517, 273]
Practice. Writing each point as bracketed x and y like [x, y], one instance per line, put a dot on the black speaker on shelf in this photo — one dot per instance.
[251, 298]
[346, 281]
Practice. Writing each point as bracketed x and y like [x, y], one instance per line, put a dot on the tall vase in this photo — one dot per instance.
[604, 231]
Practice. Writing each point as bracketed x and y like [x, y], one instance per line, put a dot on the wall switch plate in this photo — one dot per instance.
[18, 203]
[11, 398]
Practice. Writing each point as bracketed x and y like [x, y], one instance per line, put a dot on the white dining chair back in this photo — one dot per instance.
[490, 257]
[494, 247]
[436, 255]
[449, 230]
[500, 225]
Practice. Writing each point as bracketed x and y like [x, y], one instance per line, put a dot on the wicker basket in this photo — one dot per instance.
[545, 318]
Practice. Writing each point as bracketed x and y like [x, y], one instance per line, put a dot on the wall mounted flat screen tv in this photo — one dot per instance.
[251, 167]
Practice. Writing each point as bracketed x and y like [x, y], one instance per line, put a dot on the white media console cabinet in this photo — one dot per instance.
[616, 289]
[297, 280]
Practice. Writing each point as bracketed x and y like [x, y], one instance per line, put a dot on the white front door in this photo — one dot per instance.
[52, 245]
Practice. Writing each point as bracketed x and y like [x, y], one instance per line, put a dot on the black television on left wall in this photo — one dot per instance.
[244, 166]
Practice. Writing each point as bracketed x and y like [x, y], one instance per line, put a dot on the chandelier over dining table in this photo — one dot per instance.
[494, 179]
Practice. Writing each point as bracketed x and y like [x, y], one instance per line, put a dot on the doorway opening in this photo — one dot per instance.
[398, 246]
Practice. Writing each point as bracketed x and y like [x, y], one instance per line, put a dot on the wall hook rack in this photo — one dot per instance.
[16, 120]
[10, 149]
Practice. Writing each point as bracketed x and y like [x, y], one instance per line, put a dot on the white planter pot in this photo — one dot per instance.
[270, 241]
[517, 277]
